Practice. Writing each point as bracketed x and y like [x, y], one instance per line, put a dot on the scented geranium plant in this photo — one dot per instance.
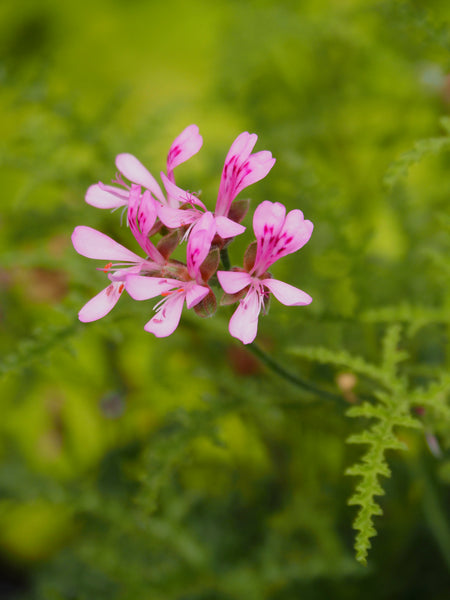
[161, 221]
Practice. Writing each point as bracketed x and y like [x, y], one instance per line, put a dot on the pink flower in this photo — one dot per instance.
[191, 211]
[241, 169]
[176, 292]
[184, 147]
[277, 235]
[94, 244]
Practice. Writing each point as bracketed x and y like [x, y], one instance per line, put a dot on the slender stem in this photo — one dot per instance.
[225, 259]
[288, 376]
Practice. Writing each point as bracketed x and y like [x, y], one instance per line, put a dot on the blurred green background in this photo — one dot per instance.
[182, 468]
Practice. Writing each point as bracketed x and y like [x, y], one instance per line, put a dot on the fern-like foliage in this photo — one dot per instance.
[390, 409]
[422, 148]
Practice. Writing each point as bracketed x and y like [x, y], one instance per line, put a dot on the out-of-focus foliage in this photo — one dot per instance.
[183, 468]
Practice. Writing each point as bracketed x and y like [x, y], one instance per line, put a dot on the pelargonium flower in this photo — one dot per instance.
[277, 235]
[241, 169]
[183, 147]
[93, 244]
[190, 287]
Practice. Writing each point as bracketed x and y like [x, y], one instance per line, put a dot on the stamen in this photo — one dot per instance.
[187, 232]
[122, 214]
[107, 267]
[170, 292]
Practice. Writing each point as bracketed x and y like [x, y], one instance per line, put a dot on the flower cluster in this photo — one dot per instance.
[173, 216]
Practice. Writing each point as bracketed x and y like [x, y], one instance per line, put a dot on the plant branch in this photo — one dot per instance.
[288, 376]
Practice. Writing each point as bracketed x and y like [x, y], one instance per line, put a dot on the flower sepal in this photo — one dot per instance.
[238, 210]
[167, 244]
[175, 269]
[228, 299]
[210, 265]
[250, 257]
[207, 307]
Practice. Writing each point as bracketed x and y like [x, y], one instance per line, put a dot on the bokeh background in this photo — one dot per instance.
[182, 468]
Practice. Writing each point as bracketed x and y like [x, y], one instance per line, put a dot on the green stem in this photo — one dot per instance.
[225, 259]
[288, 376]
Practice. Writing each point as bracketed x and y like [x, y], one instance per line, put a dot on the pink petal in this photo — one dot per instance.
[102, 196]
[237, 155]
[179, 196]
[122, 274]
[227, 228]
[233, 281]
[195, 294]
[244, 322]
[174, 217]
[277, 235]
[287, 294]
[241, 169]
[94, 244]
[256, 168]
[268, 219]
[143, 288]
[168, 316]
[135, 171]
[148, 212]
[242, 146]
[142, 213]
[199, 243]
[101, 304]
[296, 231]
[184, 147]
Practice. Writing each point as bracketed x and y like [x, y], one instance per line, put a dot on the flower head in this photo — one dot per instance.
[277, 235]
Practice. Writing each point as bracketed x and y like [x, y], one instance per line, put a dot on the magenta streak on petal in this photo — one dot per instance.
[171, 158]
[174, 152]
[240, 170]
[272, 248]
[185, 145]
[142, 214]
[199, 243]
